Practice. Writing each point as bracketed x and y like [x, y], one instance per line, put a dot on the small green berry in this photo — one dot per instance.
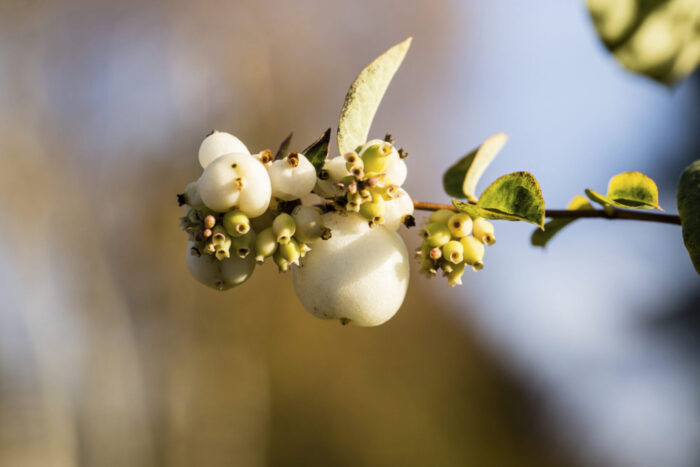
[373, 210]
[454, 277]
[473, 252]
[219, 235]
[236, 223]
[265, 245]
[483, 231]
[453, 251]
[460, 225]
[441, 215]
[436, 234]
[290, 251]
[284, 227]
[244, 244]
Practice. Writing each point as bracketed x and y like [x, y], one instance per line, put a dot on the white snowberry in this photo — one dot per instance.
[359, 275]
[335, 169]
[397, 209]
[217, 144]
[219, 274]
[236, 180]
[292, 177]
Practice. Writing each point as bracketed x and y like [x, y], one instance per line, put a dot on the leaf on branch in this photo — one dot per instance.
[284, 147]
[364, 96]
[689, 211]
[551, 228]
[318, 151]
[657, 38]
[460, 180]
[513, 197]
[630, 190]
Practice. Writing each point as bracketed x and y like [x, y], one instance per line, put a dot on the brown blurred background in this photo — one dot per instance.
[111, 355]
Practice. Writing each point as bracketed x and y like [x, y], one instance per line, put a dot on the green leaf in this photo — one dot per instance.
[513, 197]
[460, 180]
[630, 190]
[634, 190]
[284, 147]
[657, 38]
[551, 228]
[318, 151]
[364, 96]
[689, 211]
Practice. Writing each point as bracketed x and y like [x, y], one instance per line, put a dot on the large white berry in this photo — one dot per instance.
[335, 169]
[236, 180]
[360, 275]
[292, 177]
[217, 144]
[219, 274]
[396, 171]
[397, 209]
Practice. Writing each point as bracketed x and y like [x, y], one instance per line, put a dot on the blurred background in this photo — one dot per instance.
[585, 353]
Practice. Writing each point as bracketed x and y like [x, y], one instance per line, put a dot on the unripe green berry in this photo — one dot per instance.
[284, 227]
[436, 234]
[373, 210]
[442, 216]
[483, 231]
[453, 251]
[222, 250]
[290, 251]
[236, 223]
[244, 244]
[265, 245]
[460, 225]
[281, 263]
[375, 157]
[473, 252]
[218, 235]
[454, 277]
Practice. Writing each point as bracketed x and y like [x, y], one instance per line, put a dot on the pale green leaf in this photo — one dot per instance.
[460, 180]
[364, 96]
[551, 228]
[630, 190]
[633, 190]
[657, 38]
[514, 197]
[689, 211]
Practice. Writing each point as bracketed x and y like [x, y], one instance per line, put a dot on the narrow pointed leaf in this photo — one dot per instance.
[284, 147]
[364, 96]
[460, 180]
[689, 211]
[551, 228]
[318, 151]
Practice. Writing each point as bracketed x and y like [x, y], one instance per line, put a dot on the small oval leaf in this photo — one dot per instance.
[629, 190]
[551, 228]
[317, 152]
[689, 211]
[515, 196]
[364, 96]
[633, 190]
[460, 180]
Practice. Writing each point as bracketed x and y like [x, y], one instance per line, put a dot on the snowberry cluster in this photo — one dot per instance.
[451, 242]
[245, 208]
[367, 181]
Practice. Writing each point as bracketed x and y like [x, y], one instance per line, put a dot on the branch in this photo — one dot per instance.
[578, 214]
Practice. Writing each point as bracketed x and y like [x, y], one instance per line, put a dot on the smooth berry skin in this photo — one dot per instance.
[236, 181]
[219, 274]
[292, 182]
[217, 144]
[360, 275]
